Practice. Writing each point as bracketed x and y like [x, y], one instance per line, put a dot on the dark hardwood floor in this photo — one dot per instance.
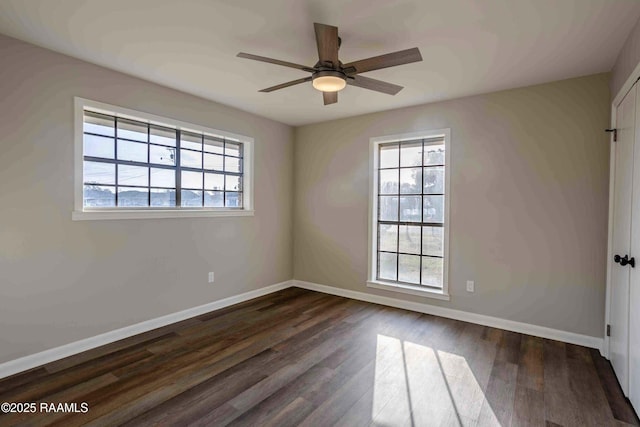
[303, 358]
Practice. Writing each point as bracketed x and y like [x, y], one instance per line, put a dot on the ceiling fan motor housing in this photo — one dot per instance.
[329, 80]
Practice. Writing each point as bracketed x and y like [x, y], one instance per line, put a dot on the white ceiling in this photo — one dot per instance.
[468, 46]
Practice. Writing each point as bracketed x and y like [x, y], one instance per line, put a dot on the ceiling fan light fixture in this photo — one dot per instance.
[329, 81]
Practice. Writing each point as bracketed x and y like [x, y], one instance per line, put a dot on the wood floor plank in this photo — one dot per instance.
[291, 415]
[71, 394]
[137, 341]
[531, 363]
[620, 407]
[16, 380]
[298, 357]
[528, 408]
[585, 384]
[64, 379]
[280, 401]
[561, 405]
[509, 347]
[332, 409]
[196, 402]
[498, 404]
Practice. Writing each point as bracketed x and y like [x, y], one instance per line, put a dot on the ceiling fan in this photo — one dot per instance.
[329, 75]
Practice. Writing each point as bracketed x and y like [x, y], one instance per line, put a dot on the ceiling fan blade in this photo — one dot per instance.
[383, 61]
[283, 85]
[373, 84]
[275, 61]
[330, 97]
[327, 41]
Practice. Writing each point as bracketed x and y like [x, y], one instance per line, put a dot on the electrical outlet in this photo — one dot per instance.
[211, 277]
[471, 287]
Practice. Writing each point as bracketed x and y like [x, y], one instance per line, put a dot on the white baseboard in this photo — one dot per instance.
[480, 319]
[38, 359]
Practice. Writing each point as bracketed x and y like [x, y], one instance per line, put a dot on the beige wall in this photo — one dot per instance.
[628, 59]
[60, 280]
[529, 201]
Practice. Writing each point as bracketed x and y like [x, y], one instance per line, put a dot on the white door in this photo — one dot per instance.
[634, 282]
[619, 310]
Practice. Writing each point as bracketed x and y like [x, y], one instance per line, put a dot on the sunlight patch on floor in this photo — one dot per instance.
[415, 385]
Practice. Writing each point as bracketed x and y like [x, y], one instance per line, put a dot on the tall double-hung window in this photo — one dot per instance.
[134, 165]
[409, 213]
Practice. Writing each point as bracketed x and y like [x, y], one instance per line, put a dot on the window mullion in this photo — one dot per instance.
[398, 226]
[202, 167]
[115, 152]
[178, 169]
[421, 212]
[149, 163]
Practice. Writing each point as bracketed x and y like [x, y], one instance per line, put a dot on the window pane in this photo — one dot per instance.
[411, 153]
[163, 177]
[99, 173]
[409, 268]
[233, 199]
[388, 237]
[214, 199]
[214, 181]
[132, 151]
[98, 146]
[98, 123]
[411, 181]
[432, 241]
[432, 271]
[232, 183]
[231, 164]
[163, 197]
[387, 265]
[389, 181]
[434, 154]
[433, 208]
[191, 198]
[191, 140]
[233, 149]
[99, 196]
[213, 145]
[130, 129]
[213, 161]
[133, 175]
[434, 180]
[410, 208]
[409, 239]
[163, 136]
[389, 156]
[162, 155]
[129, 196]
[191, 159]
[191, 180]
[388, 208]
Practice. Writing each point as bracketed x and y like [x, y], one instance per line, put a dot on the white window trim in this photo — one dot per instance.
[82, 213]
[372, 282]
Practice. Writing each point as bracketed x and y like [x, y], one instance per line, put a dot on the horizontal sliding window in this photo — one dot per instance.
[131, 162]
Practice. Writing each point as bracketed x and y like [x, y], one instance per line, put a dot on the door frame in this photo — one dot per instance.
[624, 90]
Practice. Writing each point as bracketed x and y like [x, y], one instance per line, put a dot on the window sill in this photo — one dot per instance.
[155, 214]
[411, 290]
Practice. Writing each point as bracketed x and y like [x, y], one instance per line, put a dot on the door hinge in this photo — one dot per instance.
[608, 330]
[615, 133]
